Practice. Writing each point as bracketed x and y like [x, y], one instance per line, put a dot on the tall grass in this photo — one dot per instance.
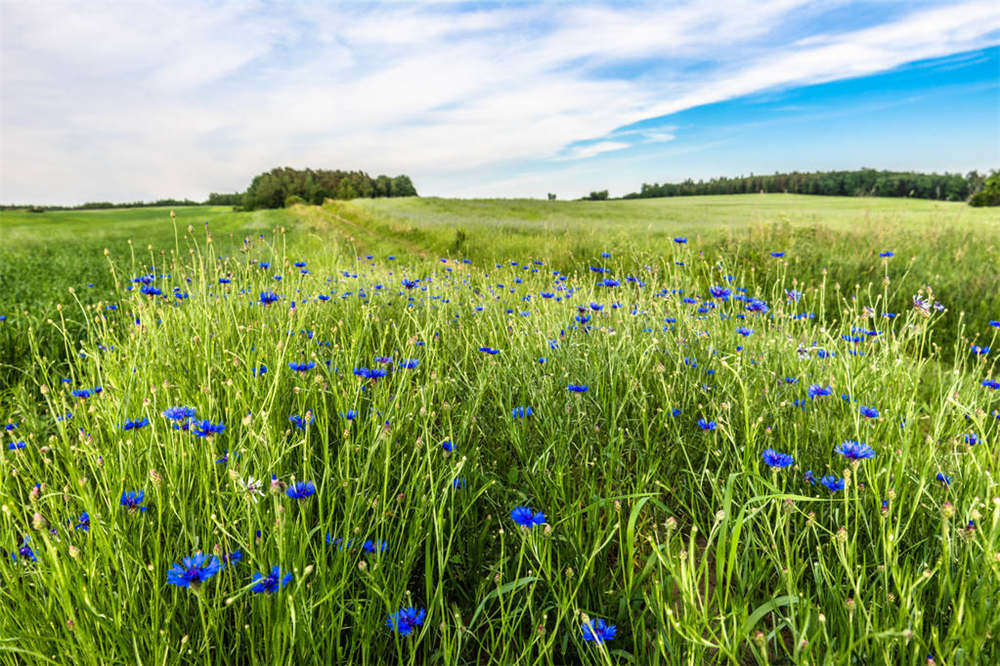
[678, 535]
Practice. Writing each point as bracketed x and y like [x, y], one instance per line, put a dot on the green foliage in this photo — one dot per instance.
[597, 196]
[216, 199]
[273, 188]
[682, 538]
[990, 194]
[864, 182]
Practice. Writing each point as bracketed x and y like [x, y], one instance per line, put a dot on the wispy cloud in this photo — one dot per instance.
[116, 100]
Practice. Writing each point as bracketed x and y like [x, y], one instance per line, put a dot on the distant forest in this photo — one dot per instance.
[276, 188]
[863, 182]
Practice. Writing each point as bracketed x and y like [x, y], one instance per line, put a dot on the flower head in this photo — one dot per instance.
[273, 582]
[774, 459]
[599, 631]
[817, 391]
[522, 412]
[179, 413]
[869, 412]
[206, 428]
[301, 490]
[194, 570]
[854, 450]
[135, 424]
[832, 483]
[525, 517]
[132, 499]
[405, 620]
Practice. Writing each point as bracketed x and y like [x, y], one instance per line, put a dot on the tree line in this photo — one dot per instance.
[276, 188]
[862, 182]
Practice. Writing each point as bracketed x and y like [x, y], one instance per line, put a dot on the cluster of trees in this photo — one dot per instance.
[863, 182]
[989, 195]
[275, 188]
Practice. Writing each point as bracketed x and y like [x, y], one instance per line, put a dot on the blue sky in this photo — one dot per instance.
[107, 101]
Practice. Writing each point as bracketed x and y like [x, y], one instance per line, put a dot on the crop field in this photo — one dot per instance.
[711, 430]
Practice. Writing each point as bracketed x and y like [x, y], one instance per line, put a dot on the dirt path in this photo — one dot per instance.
[325, 218]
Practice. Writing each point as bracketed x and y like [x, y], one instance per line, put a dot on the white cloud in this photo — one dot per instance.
[120, 101]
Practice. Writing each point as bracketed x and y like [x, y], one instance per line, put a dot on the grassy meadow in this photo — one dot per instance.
[428, 431]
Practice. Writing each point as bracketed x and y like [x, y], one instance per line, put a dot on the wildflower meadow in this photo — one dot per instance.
[311, 436]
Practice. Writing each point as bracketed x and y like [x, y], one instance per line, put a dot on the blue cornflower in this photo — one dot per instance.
[609, 282]
[793, 295]
[409, 284]
[705, 424]
[270, 583]
[489, 350]
[832, 483]
[301, 490]
[756, 305]
[525, 517]
[817, 391]
[720, 292]
[810, 477]
[971, 439]
[206, 428]
[447, 445]
[980, 351]
[15, 446]
[521, 412]
[777, 255]
[300, 422]
[578, 388]
[349, 415]
[373, 547]
[409, 363]
[599, 631]
[81, 393]
[944, 479]
[195, 570]
[135, 424]
[887, 253]
[680, 239]
[405, 620]
[10, 426]
[84, 523]
[854, 450]
[132, 499]
[869, 412]
[995, 323]
[458, 483]
[744, 331]
[25, 551]
[302, 367]
[774, 459]
[259, 372]
[232, 558]
[179, 413]
[991, 384]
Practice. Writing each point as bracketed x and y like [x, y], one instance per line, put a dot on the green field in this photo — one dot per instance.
[429, 366]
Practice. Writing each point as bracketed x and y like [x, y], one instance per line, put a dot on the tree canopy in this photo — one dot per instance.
[273, 188]
[863, 182]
